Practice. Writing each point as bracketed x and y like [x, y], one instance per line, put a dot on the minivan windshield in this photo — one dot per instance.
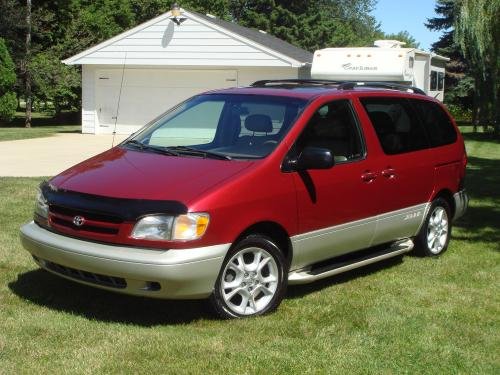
[221, 126]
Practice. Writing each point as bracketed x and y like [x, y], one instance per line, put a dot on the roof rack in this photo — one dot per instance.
[384, 85]
[293, 81]
[340, 85]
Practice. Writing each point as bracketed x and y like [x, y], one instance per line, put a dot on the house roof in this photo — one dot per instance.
[262, 38]
[190, 44]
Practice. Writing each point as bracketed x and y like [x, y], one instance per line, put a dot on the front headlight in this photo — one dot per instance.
[166, 228]
[41, 205]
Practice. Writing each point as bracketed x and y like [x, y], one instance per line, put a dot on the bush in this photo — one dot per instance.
[460, 113]
[8, 100]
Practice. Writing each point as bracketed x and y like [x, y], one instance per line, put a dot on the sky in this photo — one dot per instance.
[409, 15]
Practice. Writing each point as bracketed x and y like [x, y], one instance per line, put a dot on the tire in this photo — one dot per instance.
[435, 234]
[252, 279]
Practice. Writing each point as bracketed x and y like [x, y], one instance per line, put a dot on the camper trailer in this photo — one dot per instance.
[386, 61]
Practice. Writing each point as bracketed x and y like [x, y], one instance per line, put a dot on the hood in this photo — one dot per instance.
[123, 173]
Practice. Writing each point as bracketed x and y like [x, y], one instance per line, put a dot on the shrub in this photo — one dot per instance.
[8, 100]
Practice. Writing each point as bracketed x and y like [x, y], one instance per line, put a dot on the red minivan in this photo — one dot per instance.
[236, 193]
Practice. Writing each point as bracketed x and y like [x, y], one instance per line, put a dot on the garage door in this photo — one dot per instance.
[147, 93]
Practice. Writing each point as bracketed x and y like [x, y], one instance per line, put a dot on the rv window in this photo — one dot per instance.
[436, 123]
[441, 81]
[412, 62]
[396, 125]
[434, 80]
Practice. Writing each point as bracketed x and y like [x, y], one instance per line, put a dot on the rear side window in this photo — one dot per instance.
[436, 122]
[396, 125]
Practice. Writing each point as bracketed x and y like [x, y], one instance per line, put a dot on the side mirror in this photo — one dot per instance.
[311, 158]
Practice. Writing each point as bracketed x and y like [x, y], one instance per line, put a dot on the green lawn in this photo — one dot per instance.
[42, 126]
[423, 316]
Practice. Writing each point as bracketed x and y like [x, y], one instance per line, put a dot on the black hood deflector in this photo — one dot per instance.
[125, 209]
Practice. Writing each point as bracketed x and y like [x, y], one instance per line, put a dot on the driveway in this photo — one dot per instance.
[52, 155]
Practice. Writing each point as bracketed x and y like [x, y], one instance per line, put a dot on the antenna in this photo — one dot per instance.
[119, 99]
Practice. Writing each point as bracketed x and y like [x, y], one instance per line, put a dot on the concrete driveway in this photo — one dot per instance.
[52, 155]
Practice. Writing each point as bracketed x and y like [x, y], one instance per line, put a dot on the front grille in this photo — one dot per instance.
[71, 212]
[61, 218]
[89, 277]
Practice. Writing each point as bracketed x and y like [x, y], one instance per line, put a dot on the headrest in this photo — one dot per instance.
[382, 122]
[259, 123]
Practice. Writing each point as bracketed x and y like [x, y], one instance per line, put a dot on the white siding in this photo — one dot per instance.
[192, 43]
[88, 100]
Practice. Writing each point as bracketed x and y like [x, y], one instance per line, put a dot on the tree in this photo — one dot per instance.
[477, 31]
[458, 81]
[404, 36]
[8, 100]
[56, 86]
[26, 71]
[311, 25]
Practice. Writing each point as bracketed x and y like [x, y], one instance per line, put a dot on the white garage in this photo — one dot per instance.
[132, 78]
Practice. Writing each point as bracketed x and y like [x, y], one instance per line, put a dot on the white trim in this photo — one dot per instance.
[73, 60]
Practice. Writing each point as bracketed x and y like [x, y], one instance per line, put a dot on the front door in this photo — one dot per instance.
[337, 206]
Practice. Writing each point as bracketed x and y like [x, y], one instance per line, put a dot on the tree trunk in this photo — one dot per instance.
[476, 107]
[27, 75]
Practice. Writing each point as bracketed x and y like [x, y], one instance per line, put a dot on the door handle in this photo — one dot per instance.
[389, 173]
[368, 176]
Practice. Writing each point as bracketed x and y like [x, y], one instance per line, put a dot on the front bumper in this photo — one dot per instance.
[176, 274]
[461, 203]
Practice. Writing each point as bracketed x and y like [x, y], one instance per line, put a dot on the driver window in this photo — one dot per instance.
[334, 127]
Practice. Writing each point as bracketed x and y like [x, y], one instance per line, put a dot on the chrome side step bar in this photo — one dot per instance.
[308, 275]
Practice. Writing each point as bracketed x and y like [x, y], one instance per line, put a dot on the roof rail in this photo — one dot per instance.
[294, 81]
[385, 85]
[340, 85]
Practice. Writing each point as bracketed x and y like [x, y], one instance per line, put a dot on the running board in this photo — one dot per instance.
[311, 274]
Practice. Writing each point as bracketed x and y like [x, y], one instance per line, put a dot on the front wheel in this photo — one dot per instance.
[435, 234]
[252, 279]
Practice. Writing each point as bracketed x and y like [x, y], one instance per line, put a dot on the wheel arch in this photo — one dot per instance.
[447, 195]
[274, 231]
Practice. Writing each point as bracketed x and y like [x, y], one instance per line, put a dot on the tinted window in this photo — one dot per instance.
[334, 127]
[436, 122]
[396, 125]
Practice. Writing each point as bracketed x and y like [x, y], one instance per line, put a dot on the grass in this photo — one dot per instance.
[409, 315]
[42, 126]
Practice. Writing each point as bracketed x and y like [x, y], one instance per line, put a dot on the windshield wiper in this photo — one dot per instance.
[134, 142]
[197, 152]
[157, 149]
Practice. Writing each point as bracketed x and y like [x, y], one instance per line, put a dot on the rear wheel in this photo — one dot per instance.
[435, 234]
[252, 279]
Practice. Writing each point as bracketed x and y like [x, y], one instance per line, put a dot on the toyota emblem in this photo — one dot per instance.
[78, 221]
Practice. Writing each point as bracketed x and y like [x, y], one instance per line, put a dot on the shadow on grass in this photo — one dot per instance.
[481, 137]
[44, 289]
[39, 120]
[482, 220]
[297, 291]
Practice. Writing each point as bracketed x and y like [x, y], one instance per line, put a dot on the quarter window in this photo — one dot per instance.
[436, 122]
[335, 128]
[396, 125]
